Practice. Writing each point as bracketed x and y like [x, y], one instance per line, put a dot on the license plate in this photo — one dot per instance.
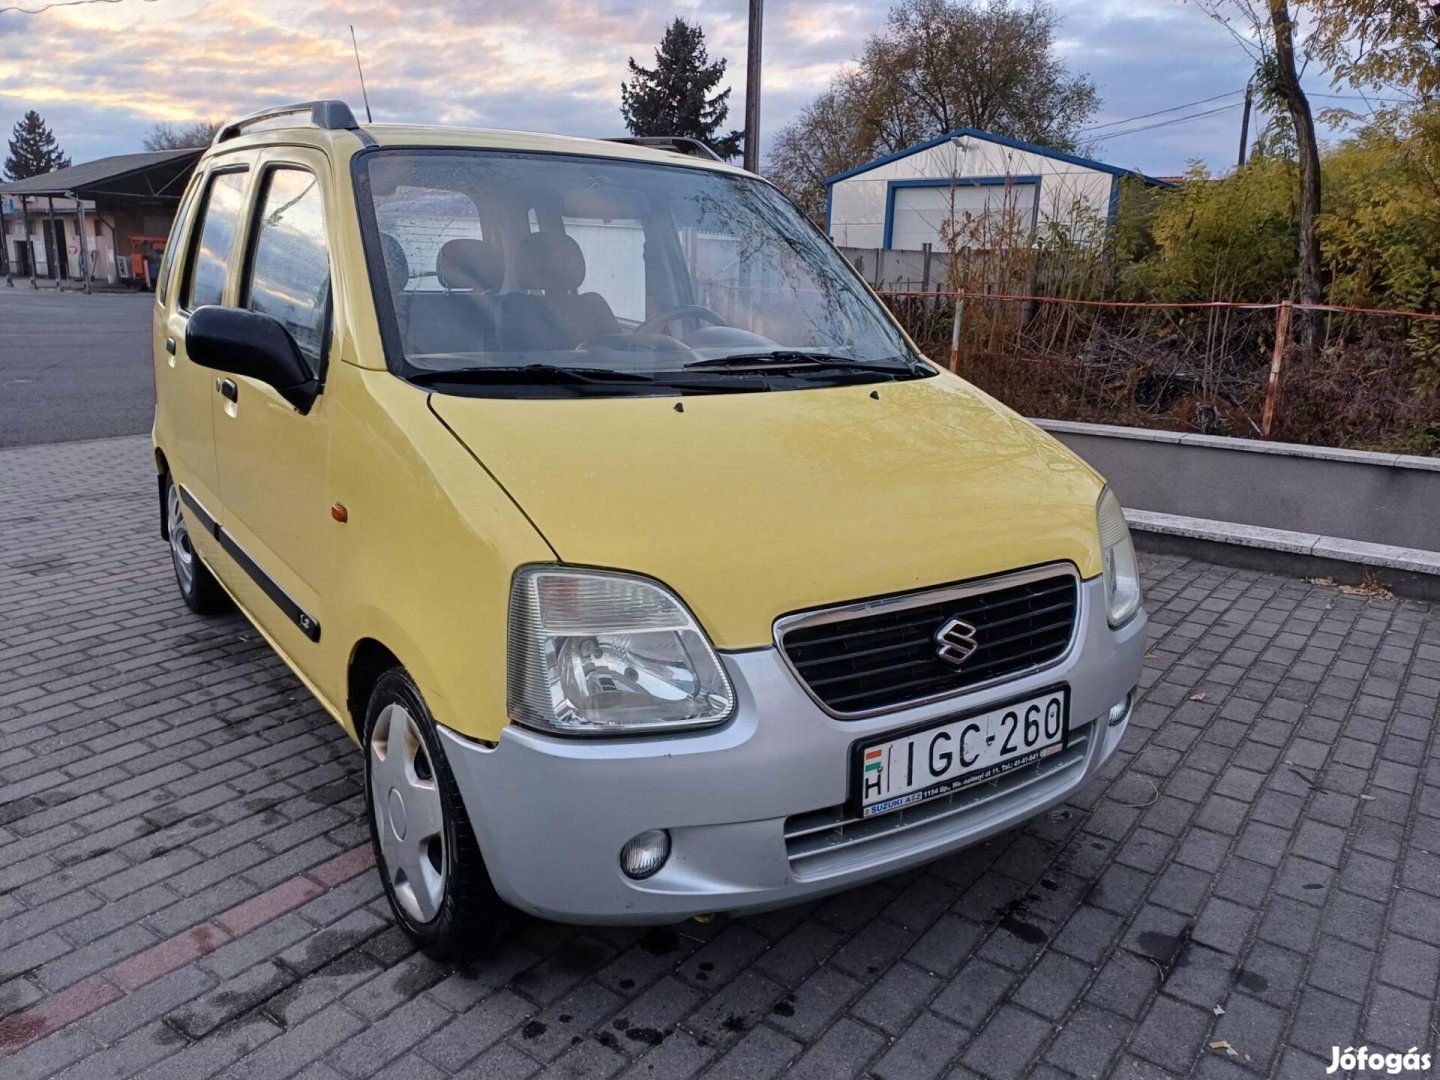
[903, 770]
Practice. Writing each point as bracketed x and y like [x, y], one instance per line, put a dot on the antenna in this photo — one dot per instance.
[355, 45]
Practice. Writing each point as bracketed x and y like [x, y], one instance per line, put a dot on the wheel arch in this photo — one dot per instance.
[162, 477]
[369, 659]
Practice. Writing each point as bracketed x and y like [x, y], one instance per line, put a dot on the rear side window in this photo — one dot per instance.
[166, 263]
[216, 236]
[290, 261]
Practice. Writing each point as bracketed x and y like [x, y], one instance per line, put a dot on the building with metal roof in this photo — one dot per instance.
[100, 221]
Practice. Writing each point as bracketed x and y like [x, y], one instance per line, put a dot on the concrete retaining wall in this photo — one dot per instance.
[1380, 498]
[1313, 508]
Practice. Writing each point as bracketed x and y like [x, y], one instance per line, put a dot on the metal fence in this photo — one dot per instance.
[1369, 379]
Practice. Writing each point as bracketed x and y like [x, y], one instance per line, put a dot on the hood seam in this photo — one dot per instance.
[430, 404]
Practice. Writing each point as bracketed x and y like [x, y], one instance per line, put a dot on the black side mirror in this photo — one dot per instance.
[248, 343]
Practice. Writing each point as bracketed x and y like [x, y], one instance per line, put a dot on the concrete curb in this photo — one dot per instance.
[1406, 571]
[1252, 446]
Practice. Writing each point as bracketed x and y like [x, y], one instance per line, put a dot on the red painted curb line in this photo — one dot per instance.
[125, 976]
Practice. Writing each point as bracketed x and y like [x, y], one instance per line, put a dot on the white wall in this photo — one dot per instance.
[857, 204]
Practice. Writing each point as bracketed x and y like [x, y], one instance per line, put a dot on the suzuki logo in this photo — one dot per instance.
[955, 642]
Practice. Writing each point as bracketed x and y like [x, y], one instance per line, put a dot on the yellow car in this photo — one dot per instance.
[591, 491]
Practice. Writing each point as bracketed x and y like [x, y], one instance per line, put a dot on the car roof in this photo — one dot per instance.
[342, 143]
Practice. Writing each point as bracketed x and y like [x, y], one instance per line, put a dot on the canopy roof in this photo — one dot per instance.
[152, 176]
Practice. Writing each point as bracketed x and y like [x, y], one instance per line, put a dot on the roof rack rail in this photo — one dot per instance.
[328, 114]
[676, 144]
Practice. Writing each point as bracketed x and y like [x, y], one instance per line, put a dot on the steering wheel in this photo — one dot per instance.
[683, 311]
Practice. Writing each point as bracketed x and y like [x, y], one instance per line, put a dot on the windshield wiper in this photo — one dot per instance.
[548, 374]
[805, 358]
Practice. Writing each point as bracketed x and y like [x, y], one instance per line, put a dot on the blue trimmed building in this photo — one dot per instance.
[980, 181]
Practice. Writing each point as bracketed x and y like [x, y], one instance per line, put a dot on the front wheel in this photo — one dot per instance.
[198, 588]
[425, 848]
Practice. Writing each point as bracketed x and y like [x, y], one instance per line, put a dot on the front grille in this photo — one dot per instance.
[866, 659]
[826, 842]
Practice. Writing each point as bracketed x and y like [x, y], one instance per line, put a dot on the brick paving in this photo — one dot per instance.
[185, 891]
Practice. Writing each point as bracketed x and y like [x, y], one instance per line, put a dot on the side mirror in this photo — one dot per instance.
[248, 343]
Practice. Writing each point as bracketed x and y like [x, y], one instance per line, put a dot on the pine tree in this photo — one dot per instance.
[675, 96]
[33, 149]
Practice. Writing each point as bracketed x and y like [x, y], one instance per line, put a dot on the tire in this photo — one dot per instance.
[425, 847]
[198, 588]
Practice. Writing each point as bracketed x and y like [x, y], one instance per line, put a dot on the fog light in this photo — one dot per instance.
[1120, 709]
[645, 854]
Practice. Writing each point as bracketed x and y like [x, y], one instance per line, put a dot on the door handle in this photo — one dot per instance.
[228, 390]
[170, 345]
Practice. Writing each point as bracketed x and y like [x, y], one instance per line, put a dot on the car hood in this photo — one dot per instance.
[754, 505]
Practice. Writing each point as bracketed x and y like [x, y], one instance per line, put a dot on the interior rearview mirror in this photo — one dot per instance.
[248, 343]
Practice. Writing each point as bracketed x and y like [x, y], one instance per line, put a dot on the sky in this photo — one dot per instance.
[103, 73]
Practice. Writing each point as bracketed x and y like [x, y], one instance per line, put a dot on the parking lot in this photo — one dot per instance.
[73, 366]
[186, 888]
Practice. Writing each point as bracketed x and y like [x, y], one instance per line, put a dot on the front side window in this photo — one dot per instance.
[290, 265]
[607, 275]
[216, 236]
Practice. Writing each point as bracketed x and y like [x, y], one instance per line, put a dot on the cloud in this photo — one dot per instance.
[102, 75]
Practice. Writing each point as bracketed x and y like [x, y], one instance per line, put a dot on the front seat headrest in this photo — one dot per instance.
[397, 267]
[467, 263]
[550, 261]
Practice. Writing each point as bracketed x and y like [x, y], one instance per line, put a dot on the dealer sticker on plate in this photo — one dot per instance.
[956, 753]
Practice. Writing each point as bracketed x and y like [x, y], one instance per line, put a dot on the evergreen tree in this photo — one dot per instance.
[675, 96]
[33, 149]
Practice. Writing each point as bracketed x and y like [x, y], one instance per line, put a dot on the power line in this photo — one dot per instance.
[1209, 112]
[1161, 112]
[17, 9]
[1168, 123]
[1361, 97]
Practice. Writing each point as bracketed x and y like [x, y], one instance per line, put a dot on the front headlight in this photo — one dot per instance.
[1117, 553]
[600, 653]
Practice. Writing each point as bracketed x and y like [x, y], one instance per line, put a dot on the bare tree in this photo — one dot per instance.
[1266, 29]
[1287, 85]
[938, 65]
[185, 137]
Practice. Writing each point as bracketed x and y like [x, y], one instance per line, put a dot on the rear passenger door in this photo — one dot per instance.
[273, 460]
[183, 391]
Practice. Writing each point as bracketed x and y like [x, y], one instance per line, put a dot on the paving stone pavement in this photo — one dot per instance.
[184, 886]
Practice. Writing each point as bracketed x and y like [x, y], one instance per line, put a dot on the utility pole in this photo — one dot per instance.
[1245, 122]
[84, 247]
[5, 246]
[29, 243]
[752, 90]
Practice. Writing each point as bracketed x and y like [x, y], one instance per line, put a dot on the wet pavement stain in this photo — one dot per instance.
[533, 1029]
[660, 941]
[1008, 918]
[785, 1006]
[733, 1023]
[1167, 951]
[1252, 981]
[648, 1036]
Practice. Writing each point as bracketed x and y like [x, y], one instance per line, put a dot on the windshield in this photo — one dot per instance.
[517, 267]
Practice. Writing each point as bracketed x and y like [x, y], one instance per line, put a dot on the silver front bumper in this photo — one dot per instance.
[755, 808]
